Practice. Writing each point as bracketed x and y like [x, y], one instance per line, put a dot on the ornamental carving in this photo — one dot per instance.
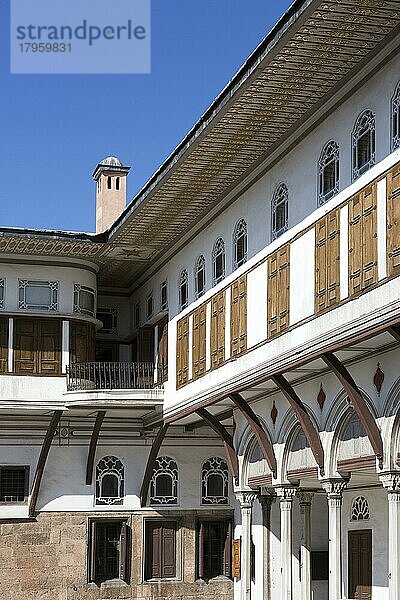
[321, 397]
[379, 378]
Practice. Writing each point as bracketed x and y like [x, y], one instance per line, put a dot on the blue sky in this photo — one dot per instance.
[55, 128]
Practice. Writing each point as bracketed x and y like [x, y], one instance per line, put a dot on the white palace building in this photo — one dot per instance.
[201, 400]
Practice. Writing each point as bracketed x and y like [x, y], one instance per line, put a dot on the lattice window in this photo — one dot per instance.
[183, 289]
[218, 256]
[2, 292]
[200, 276]
[38, 295]
[328, 172]
[239, 243]
[84, 300]
[164, 481]
[363, 142]
[396, 118]
[164, 295]
[110, 476]
[360, 509]
[214, 481]
[108, 316]
[279, 211]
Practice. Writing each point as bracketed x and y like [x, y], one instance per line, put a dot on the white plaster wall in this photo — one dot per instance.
[34, 390]
[302, 277]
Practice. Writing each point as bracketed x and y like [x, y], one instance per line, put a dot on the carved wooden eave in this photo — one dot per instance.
[311, 54]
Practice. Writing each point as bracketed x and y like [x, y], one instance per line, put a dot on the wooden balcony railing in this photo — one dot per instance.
[110, 376]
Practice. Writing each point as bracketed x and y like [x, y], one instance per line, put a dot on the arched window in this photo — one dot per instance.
[183, 290]
[360, 509]
[200, 276]
[396, 118]
[279, 212]
[214, 481]
[164, 481]
[117, 183]
[109, 481]
[239, 243]
[328, 172]
[109, 183]
[218, 261]
[363, 142]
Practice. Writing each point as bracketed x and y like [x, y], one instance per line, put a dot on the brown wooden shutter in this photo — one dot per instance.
[3, 344]
[228, 551]
[146, 344]
[182, 351]
[92, 552]
[239, 316]
[327, 261]
[393, 221]
[199, 342]
[82, 342]
[162, 355]
[201, 551]
[25, 355]
[363, 247]
[278, 291]
[123, 552]
[48, 338]
[168, 550]
[217, 337]
[160, 550]
[236, 559]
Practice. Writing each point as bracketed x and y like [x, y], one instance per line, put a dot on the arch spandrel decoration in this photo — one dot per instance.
[353, 440]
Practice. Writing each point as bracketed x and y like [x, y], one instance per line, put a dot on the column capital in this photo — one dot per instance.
[391, 482]
[286, 493]
[246, 498]
[266, 500]
[305, 498]
[334, 487]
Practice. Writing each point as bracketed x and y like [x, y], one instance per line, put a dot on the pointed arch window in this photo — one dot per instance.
[360, 509]
[279, 212]
[218, 260]
[164, 481]
[183, 289]
[396, 118]
[239, 243]
[214, 481]
[363, 142]
[328, 172]
[200, 276]
[109, 481]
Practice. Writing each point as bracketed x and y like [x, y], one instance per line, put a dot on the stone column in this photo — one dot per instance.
[286, 495]
[334, 490]
[305, 500]
[391, 481]
[246, 500]
[266, 500]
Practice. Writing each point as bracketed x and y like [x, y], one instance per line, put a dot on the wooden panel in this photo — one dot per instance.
[3, 344]
[236, 559]
[25, 355]
[360, 564]
[82, 342]
[327, 261]
[217, 339]
[393, 221]
[182, 351]
[49, 347]
[363, 247]
[239, 316]
[278, 291]
[162, 354]
[169, 550]
[161, 550]
[145, 348]
[199, 342]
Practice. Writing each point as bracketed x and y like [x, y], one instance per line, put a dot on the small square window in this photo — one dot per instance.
[84, 300]
[13, 484]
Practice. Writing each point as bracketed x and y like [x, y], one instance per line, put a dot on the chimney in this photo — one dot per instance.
[110, 176]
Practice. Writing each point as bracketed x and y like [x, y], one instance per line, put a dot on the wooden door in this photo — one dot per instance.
[360, 564]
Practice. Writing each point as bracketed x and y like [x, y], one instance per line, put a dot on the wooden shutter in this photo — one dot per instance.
[92, 552]
[278, 291]
[239, 316]
[168, 550]
[363, 248]
[3, 344]
[228, 551]
[146, 344]
[162, 354]
[182, 351]
[393, 221]
[25, 355]
[199, 342]
[327, 261]
[82, 342]
[236, 559]
[48, 338]
[160, 550]
[123, 552]
[217, 341]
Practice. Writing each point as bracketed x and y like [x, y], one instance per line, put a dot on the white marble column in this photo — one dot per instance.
[305, 500]
[286, 495]
[334, 490]
[391, 481]
[266, 500]
[246, 500]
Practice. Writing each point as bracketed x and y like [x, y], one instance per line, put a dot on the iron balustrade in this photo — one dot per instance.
[110, 376]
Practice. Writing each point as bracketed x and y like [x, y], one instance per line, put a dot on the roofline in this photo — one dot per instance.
[226, 93]
[53, 234]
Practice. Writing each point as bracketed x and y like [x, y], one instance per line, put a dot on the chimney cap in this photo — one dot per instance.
[110, 163]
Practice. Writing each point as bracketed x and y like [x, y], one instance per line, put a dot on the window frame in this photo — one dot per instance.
[9, 467]
[53, 287]
[137, 315]
[3, 287]
[149, 306]
[280, 196]
[109, 501]
[219, 250]
[113, 330]
[240, 231]
[77, 308]
[217, 466]
[124, 552]
[199, 267]
[183, 282]
[395, 119]
[164, 290]
[164, 465]
[202, 522]
[326, 158]
[359, 131]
